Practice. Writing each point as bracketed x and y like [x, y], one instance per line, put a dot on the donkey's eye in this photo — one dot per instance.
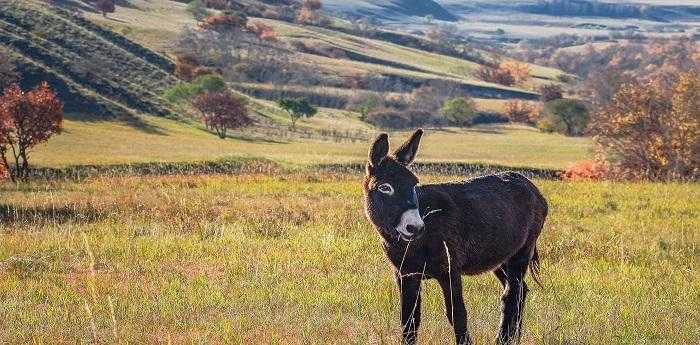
[386, 189]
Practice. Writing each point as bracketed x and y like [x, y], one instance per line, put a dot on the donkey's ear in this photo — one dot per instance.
[407, 152]
[379, 150]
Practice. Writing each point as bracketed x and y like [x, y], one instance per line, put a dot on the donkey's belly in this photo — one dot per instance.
[487, 251]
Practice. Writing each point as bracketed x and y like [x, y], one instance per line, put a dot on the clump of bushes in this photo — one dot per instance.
[399, 119]
[506, 73]
[184, 92]
[588, 170]
[566, 116]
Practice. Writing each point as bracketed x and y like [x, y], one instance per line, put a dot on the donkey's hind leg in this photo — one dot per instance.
[512, 276]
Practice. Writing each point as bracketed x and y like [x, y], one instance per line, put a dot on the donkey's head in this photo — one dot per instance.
[391, 202]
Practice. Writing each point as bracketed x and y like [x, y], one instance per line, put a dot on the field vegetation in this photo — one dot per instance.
[290, 259]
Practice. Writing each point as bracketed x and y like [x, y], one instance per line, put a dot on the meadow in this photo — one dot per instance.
[288, 258]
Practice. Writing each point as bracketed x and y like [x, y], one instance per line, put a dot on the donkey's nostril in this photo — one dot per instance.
[413, 229]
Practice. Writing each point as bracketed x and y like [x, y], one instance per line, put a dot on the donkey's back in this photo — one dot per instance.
[496, 217]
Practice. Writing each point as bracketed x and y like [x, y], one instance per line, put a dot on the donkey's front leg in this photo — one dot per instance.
[454, 306]
[409, 286]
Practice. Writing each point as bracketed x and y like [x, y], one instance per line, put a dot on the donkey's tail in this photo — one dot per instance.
[535, 267]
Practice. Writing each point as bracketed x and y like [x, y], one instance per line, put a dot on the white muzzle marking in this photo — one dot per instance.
[410, 217]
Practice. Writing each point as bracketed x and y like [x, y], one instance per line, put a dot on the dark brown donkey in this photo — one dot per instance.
[441, 231]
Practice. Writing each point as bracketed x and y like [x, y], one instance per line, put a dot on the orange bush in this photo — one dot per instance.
[521, 111]
[262, 30]
[587, 170]
[519, 70]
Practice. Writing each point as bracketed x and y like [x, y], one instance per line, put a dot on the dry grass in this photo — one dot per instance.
[290, 259]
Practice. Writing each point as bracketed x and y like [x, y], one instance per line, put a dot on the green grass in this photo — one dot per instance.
[163, 140]
[290, 259]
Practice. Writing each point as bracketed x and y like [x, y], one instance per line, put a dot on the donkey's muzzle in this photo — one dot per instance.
[411, 225]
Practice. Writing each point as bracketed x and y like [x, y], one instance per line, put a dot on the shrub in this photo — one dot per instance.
[222, 111]
[648, 132]
[459, 111]
[586, 171]
[550, 92]
[520, 71]
[520, 111]
[364, 103]
[184, 92]
[566, 116]
[262, 30]
[224, 22]
[401, 119]
[495, 75]
[388, 118]
[26, 120]
[105, 6]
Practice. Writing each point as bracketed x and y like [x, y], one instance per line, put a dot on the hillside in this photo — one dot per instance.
[112, 65]
[97, 71]
[395, 10]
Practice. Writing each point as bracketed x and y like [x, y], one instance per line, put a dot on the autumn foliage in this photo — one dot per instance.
[652, 132]
[588, 170]
[518, 70]
[222, 111]
[26, 120]
[263, 31]
[308, 13]
[520, 111]
[224, 22]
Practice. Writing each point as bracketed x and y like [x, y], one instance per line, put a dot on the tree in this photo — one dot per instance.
[26, 120]
[550, 92]
[222, 111]
[519, 70]
[645, 133]
[105, 6]
[564, 115]
[8, 72]
[459, 111]
[297, 108]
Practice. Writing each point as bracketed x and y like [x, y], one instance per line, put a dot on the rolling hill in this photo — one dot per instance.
[114, 68]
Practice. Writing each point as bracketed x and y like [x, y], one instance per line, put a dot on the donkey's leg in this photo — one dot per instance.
[454, 307]
[409, 286]
[512, 276]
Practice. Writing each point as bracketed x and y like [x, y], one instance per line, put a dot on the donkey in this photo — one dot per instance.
[441, 231]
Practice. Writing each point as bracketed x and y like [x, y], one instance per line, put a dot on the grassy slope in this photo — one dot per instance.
[98, 63]
[439, 65]
[290, 259]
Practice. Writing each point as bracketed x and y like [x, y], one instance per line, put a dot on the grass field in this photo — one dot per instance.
[163, 140]
[290, 259]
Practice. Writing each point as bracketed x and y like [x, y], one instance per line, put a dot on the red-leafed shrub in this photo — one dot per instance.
[262, 30]
[588, 170]
[26, 120]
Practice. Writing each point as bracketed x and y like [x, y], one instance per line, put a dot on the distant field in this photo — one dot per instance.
[290, 259]
[161, 140]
